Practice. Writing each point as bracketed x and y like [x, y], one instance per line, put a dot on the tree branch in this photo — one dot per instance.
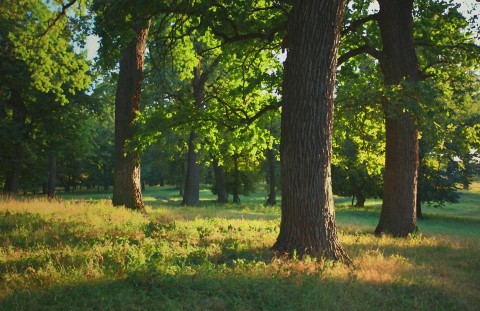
[261, 112]
[61, 14]
[207, 72]
[423, 72]
[268, 36]
[357, 23]
[364, 49]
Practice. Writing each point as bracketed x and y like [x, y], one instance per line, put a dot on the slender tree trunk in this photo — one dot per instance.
[52, 175]
[127, 188]
[360, 198]
[12, 178]
[191, 195]
[421, 155]
[419, 208]
[308, 218]
[272, 195]
[398, 63]
[220, 185]
[181, 182]
[357, 193]
[236, 180]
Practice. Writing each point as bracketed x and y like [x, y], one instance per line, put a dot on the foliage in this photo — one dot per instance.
[447, 55]
[359, 131]
[42, 76]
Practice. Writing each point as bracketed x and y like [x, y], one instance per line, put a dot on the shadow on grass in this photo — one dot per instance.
[243, 279]
[245, 288]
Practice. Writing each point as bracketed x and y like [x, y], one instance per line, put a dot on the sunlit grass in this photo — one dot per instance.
[86, 254]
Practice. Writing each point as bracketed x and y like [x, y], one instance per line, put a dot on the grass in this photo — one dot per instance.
[80, 253]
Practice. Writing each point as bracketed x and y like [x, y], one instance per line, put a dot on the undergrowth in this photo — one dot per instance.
[77, 255]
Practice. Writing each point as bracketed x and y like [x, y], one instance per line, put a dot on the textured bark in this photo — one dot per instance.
[308, 218]
[127, 188]
[52, 175]
[398, 63]
[220, 182]
[272, 194]
[236, 180]
[191, 194]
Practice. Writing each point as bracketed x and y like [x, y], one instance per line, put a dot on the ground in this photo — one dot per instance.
[78, 252]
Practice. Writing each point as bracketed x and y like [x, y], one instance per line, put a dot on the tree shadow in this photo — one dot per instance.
[245, 288]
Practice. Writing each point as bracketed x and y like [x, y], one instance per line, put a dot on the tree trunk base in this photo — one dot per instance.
[318, 241]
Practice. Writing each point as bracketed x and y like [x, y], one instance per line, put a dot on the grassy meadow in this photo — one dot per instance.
[79, 253]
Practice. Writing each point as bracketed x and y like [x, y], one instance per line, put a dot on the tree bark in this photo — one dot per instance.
[272, 195]
[399, 62]
[52, 175]
[127, 188]
[308, 218]
[236, 180]
[220, 185]
[191, 194]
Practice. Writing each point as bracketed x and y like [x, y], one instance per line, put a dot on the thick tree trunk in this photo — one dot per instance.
[272, 195]
[52, 175]
[220, 185]
[191, 195]
[236, 180]
[398, 63]
[127, 189]
[308, 218]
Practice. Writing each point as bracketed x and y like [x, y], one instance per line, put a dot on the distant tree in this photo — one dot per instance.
[220, 186]
[411, 59]
[37, 59]
[359, 132]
